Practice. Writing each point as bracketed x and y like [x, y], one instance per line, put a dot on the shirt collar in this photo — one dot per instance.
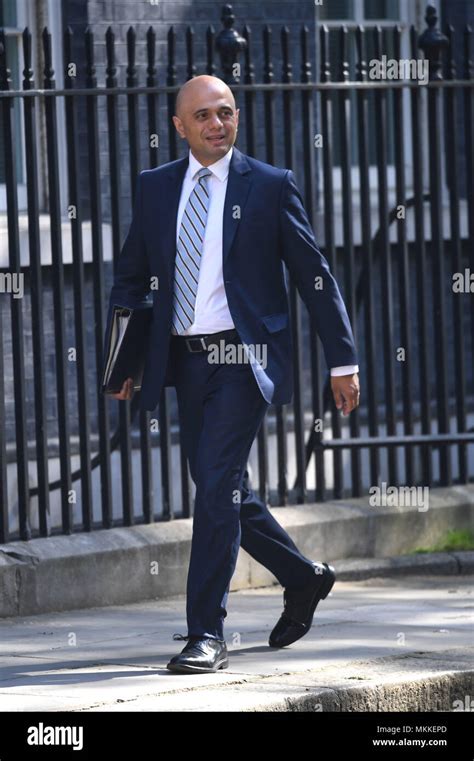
[219, 169]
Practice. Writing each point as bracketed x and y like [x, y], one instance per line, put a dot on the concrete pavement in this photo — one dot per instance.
[379, 644]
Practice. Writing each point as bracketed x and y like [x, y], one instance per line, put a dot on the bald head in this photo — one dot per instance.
[206, 116]
[200, 87]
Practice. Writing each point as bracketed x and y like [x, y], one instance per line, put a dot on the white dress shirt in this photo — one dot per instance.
[211, 310]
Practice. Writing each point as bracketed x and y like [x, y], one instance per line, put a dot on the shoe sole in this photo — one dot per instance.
[183, 669]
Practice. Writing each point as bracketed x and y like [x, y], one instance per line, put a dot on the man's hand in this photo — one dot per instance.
[127, 390]
[345, 389]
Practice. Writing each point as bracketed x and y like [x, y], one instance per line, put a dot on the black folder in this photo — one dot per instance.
[126, 346]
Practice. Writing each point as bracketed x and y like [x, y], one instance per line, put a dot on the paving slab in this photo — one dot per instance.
[374, 643]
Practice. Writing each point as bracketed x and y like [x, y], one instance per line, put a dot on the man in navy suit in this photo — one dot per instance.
[209, 238]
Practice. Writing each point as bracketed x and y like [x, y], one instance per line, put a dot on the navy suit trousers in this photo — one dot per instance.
[221, 410]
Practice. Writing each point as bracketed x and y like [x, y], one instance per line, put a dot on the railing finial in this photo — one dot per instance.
[433, 43]
[229, 45]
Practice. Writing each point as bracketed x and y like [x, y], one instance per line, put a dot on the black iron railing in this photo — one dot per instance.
[413, 277]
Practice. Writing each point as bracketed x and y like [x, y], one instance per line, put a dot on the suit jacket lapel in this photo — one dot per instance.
[175, 182]
[238, 186]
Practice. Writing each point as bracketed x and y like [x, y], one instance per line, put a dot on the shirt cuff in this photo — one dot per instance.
[345, 370]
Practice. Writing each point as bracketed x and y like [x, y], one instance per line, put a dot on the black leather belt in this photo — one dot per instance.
[203, 342]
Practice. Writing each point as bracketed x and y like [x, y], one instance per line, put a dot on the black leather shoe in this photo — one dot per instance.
[200, 655]
[299, 607]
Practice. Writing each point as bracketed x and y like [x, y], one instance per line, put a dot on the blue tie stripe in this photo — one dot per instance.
[187, 249]
[192, 247]
[197, 219]
[185, 272]
[186, 261]
[197, 199]
[188, 254]
[185, 291]
[194, 226]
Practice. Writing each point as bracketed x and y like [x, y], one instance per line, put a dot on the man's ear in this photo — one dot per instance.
[178, 125]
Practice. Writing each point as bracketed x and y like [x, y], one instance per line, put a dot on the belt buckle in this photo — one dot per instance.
[203, 344]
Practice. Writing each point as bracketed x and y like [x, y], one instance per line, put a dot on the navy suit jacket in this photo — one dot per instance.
[265, 224]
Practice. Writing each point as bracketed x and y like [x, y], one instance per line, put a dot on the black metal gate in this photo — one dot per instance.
[413, 424]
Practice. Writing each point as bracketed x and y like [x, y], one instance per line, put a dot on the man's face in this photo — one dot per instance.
[208, 121]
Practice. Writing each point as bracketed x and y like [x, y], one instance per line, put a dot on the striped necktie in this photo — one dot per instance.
[188, 253]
